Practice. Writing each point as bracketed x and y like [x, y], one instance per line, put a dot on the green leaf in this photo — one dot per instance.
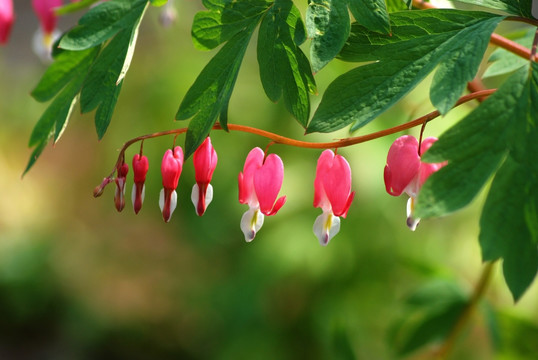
[158, 3]
[74, 7]
[432, 311]
[519, 7]
[372, 14]
[503, 61]
[472, 155]
[101, 87]
[103, 22]
[212, 90]
[284, 69]
[225, 19]
[420, 41]
[327, 24]
[509, 221]
[396, 5]
[503, 130]
[66, 66]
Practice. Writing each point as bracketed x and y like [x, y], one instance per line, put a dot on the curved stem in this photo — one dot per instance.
[443, 352]
[279, 139]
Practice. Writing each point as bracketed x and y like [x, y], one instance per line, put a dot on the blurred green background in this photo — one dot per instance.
[80, 281]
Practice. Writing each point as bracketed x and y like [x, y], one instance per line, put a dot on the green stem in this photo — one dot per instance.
[443, 352]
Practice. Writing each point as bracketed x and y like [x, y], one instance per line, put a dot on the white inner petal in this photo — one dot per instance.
[326, 227]
[251, 222]
[161, 200]
[208, 195]
[412, 222]
[195, 195]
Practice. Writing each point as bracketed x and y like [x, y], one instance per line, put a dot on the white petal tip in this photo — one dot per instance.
[251, 223]
[326, 227]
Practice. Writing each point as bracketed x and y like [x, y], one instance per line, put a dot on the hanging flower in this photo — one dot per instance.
[171, 168]
[405, 172]
[47, 33]
[119, 196]
[205, 160]
[259, 185]
[6, 20]
[332, 193]
[140, 169]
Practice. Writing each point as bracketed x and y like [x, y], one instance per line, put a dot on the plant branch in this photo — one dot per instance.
[279, 139]
[496, 39]
[443, 352]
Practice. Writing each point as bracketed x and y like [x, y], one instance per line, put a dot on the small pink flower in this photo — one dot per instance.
[332, 193]
[405, 172]
[6, 20]
[171, 168]
[259, 185]
[140, 169]
[119, 196]
[205, 160]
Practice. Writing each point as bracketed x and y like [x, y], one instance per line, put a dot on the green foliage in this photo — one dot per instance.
[501, 131]
[518, 7]
[327, 23]
[84, 66]
[503, 62]
[372, 14]
[284, 69]
[432, 311]
[420, 41]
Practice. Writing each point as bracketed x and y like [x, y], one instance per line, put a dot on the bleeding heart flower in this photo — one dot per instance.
[405, 172]
[47, 34]
[332, 193]
[6, 20]
[171, 168]
[205, 161]
[259, 185]
[119, 196]
[140, 169]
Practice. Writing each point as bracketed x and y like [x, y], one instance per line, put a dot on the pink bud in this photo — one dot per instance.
[140, 169]
[205, 161]
[119, 196]
[44, 10]
[171, 168]
[6, 20]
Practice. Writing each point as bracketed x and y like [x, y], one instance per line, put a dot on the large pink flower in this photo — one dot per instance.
[205, 161]
[6, 20]
[171, 168]
[405, 172]
[44, 10]
[259, 185]
[332, 193]
[140, 169]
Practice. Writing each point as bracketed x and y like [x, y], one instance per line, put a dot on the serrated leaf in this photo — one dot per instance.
[225, 19]
[472, 156]
[66, 66]
[503, 128]
[103, 22]
[503, 61]
[372, 14]
[519, 7]
[212, 90]
[327, 24]
[101, 87]
[284, 69]
[420, 40]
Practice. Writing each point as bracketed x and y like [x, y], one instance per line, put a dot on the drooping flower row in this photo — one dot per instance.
[261, 180]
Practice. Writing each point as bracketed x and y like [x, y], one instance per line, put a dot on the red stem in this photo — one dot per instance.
[279, 139]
